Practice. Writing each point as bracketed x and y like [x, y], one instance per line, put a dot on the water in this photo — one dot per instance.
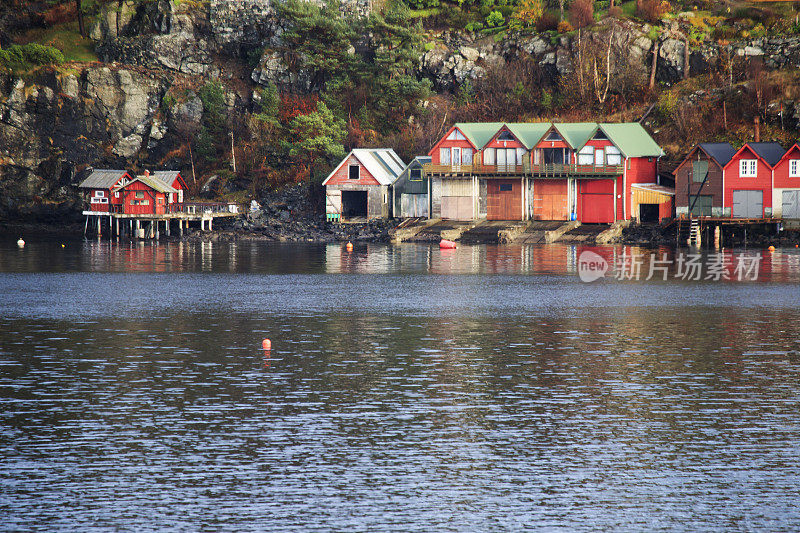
[485, 389]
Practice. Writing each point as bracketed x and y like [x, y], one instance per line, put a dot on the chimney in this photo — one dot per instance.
[757, 127]
[147, 172]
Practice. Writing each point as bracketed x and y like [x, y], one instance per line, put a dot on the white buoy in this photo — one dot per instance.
[21, 243]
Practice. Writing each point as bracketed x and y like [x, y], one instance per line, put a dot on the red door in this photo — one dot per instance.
[550, 200]
[596, 201]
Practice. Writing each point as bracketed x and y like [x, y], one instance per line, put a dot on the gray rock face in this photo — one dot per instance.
[53, 123]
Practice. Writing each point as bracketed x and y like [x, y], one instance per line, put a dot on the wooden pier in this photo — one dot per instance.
[149, 225]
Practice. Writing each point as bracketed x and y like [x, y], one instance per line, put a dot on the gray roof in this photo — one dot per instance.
[166, 176]
[770, 152]
[102, 179]
[153, 183]
[719, 152]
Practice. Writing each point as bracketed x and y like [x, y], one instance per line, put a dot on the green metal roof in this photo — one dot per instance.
[479, 133]
[576, 134]
[529, 133]
[632, 139]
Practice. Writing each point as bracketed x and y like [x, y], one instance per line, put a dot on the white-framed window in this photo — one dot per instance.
[747, 168]
[613, 155]
[794, 168]
[354, 172]
[96, 200]
[139, 194]
[444, 156]
[99, 194]
[456, 135]
[116, 194]
[488, 156]
[466, 156]
[586, 155]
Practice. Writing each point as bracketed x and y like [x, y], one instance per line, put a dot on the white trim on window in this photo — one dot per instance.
[794, 168]
[748, 168]
[350, 172]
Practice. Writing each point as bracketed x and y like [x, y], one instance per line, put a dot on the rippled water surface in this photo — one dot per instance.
[408, 388]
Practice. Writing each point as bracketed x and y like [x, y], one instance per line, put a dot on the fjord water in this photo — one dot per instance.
[408, 388]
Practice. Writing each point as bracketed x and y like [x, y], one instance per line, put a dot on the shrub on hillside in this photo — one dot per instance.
[527, 13]
[26, 56]
[652, 10]
[615, 12]
[581, 13]
[547, 22]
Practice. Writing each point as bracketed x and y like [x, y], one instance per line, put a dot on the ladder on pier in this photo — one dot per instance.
[694, 233]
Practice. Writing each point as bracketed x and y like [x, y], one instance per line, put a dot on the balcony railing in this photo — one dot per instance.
[556, 169]
[526, 168]
[199, 208]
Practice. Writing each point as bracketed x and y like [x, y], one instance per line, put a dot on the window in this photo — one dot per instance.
[466, 156]
[553, 136]
[99, 194]
[747, 168]
[444, 156]
[354, 172]
[160, 200]
[586, 155]
[488, 156]
[139, 194]
[699, 171]
[456, 135]
[613, 155]
[116, 195]
[599, 135]
[415, 174]
[506, 187]
[794, 168]
[505, 136]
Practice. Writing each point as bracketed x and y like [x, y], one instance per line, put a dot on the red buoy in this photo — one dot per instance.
[444, 243]
[266, 344]
[349, 246]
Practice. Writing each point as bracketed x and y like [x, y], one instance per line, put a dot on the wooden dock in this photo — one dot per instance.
[149, 225]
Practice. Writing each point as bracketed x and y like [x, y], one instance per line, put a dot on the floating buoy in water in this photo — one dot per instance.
[266, 344]
[444, 243]
[21, 243]
[62, 246]
[348, 246]
[771, 248]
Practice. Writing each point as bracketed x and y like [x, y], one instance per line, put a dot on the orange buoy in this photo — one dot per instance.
[348, 246]
[21, 243]
[266, 344]
[771, 248]
[444, 243]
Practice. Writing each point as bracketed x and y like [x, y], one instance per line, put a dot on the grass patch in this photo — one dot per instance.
[628, 8]
[424, 13]
[63, 37]
[26, 57]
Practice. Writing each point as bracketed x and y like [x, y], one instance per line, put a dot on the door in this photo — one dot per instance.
[596, 199]
[790, 207]
[748, 204]
[456, 157]
[550, 200]
[504, 200]
[457, 203]
[702, 205]
[414, 205]
[354, 203]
